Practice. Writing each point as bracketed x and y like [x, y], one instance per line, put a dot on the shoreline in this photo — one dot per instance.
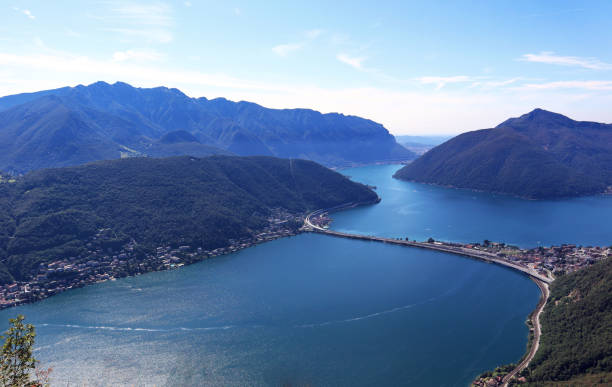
[487, 378]
[607, 192]
[537, 332]
[165, 258]
[227, 250]
[308, 226]
[318, 222]
[446, 247]
[162, 258]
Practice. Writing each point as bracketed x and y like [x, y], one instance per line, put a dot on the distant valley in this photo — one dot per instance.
[421, 144]
[75, 125]
[537, 155]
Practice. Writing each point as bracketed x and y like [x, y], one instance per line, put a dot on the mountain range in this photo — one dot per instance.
[537, 155]
[74, 125]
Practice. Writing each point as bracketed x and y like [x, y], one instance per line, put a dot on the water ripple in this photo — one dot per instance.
[137, 329]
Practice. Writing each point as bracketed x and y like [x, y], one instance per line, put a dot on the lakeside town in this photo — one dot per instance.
[549, 261]
[101, 263]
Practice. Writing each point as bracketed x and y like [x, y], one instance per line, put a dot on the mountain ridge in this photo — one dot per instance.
[538, 155]
[120, 116]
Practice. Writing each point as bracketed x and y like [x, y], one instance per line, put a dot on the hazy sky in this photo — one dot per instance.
[417, 67]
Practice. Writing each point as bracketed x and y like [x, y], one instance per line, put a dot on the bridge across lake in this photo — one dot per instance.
[540, 280]
[446, 248]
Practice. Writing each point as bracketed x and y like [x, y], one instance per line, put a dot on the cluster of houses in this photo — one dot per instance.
[322, 220]
[104, 260]
[101, 263]
[494, 381]
[547, 261]
[553, 260]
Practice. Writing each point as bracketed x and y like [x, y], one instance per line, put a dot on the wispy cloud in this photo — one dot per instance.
[137, 55]
[155, 35]
[237, 11]
[549, 57]
[440, 82]
[156, 14]
[26, 12]
[38, 42]
[286, 49]
[495, 83]
[400, 110]
[585, 85]
[339, 39]
[353, 61]
[120, 68]
[313, 34]
[72, 33]
[150, 22]
[551, 13]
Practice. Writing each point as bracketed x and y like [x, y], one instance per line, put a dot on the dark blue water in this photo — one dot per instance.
[308, 310]
[420, 211]
[316, 310]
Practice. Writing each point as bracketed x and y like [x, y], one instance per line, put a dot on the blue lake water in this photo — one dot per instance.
[317, 310]
[420, 211]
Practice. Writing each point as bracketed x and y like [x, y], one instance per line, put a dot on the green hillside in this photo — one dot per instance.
[50, 214]
[538, 155]
[576, 341]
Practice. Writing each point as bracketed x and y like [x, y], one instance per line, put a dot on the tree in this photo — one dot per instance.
[430, 240]
[16, 359]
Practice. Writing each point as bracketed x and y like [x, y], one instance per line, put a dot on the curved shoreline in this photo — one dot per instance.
[457, 250]
[537, 331]
[540, 281]
[507, 194]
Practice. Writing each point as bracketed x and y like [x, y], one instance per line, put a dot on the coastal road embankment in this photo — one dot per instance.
[457, 249]
[537, 331]
[446, 248]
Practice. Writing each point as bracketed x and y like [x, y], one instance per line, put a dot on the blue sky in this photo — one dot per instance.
[417, 67]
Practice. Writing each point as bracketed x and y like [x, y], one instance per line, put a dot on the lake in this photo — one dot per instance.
[420, 211]
[318, 310]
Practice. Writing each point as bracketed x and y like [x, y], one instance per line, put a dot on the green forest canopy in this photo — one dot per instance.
[576, 326]
[202, 202]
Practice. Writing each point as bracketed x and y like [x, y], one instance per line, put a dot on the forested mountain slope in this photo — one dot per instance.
[538, 155]
[73, 125]
[201, 202]
[576, 336]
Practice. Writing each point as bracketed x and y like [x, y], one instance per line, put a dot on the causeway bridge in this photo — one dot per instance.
[540, 280]
[457, 250]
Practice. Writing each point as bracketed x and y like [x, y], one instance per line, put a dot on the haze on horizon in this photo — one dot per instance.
[421, 68]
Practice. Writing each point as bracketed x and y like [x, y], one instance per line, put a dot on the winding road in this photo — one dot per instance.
[537, 330]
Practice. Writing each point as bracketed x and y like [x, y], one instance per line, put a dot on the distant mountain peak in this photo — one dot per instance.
[543, 114]
[165, 121]
[538, 117]
[540, 154]
[99, 84]
[540, 111]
